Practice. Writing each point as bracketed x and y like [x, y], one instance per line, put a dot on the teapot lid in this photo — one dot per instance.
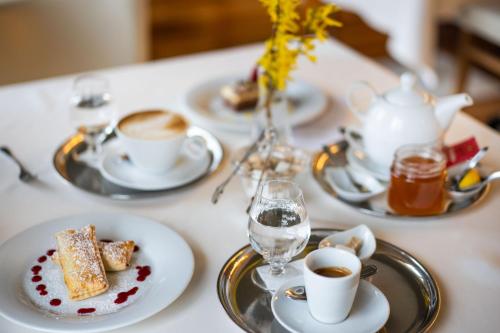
[407, 94]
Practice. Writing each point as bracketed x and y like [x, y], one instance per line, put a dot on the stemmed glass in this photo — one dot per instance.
[278, 228]
[92, 113]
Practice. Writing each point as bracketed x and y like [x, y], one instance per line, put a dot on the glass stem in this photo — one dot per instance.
[94, 144]
[276, 269]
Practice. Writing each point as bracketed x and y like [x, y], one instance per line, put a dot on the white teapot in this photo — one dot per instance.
[401, 116]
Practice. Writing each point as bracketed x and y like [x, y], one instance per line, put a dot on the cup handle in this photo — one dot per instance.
[355, 87]
[353, 136]
[195, 147]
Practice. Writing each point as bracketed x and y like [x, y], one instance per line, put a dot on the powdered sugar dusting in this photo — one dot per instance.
[85, 254]
[54, 289]
[118, 252]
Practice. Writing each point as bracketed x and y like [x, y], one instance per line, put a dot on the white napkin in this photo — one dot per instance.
[273, 283]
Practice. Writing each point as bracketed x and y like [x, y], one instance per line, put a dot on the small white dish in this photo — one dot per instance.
[359, 161]
[340, 180]
[459, 196]
[369, 312]
[169, 256]
[362, 232]
[121, 171]
[204, 103]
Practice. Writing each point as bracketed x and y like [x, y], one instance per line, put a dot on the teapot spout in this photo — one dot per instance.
[447, 107]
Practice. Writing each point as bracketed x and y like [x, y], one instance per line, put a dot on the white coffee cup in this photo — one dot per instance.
[154, 139]
[330, 299]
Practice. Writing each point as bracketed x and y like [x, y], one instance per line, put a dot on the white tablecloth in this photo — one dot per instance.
[463, 252]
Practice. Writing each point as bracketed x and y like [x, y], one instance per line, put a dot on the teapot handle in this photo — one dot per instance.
[356, 86]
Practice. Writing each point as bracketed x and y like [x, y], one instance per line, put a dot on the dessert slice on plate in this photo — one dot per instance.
[241, 95]
[115, 255]
[81, 263]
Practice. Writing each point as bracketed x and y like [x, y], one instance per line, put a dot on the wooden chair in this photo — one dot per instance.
[482, 21]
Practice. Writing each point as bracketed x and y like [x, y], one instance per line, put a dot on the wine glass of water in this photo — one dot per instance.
[92, 112]
[278, 228]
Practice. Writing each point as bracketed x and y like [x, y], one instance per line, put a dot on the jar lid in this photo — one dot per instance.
[407, 94]
[419, 160]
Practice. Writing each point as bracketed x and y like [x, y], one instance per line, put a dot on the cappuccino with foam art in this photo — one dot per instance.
[154, 139]
[153, 125]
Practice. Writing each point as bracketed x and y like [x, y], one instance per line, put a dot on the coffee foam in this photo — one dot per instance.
[153, 125]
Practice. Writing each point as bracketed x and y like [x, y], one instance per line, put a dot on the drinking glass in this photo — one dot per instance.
[278, 228]
[92, 112]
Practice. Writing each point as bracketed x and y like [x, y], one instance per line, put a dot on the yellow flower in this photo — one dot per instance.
[292, 36]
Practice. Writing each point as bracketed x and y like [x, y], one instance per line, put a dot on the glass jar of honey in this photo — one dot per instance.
[418, 176]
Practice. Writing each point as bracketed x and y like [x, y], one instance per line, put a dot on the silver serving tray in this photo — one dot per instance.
[411, 290]
[89, 179]
[378, 206]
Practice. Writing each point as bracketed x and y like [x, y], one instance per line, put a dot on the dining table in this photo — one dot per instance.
[462, 251]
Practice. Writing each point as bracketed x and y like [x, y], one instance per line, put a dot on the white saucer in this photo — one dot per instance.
[203, 101]
[369, 312]
[168, 255]
[122, 172]
[358, 160]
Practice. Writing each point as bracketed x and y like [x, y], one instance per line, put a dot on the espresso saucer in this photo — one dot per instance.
[118, 169]
[359, 161]
[369, 312]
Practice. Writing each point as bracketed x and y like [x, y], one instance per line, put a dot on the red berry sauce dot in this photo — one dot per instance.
[36, 269]
[55, 302]
[43, 292]
[143, 272]
[122, 297]
[50, 252]
[42, 259]
[41, 287]
[36, 278]
[85, 310]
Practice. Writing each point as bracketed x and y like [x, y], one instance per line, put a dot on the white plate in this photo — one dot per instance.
[359, 161]
[123, 172]
[169, 256]
[369, 312]
[204, 103]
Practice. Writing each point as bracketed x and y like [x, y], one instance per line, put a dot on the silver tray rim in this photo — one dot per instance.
[215, 148]
[430, 320]
[318, 176]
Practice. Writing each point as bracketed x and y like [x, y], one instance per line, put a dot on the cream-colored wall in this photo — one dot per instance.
[43, 38]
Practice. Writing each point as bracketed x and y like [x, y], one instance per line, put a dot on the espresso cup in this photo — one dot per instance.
[154, 139]
[330, 299]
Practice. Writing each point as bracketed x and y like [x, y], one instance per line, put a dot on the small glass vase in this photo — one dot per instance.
[275, 103]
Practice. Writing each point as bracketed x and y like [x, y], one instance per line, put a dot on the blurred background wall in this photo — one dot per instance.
[42, 38]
